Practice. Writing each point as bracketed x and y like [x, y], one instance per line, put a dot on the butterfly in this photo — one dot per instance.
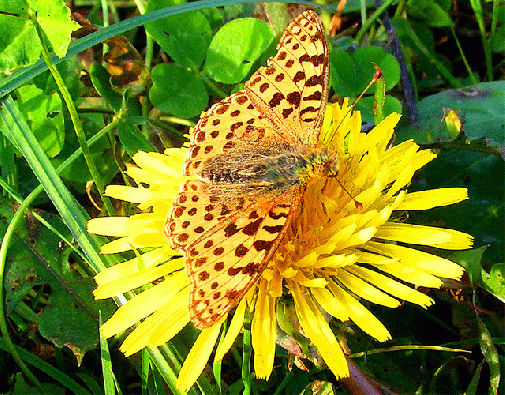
[250, 157]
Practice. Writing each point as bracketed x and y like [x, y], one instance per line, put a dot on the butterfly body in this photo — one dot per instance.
[264, 170]
[249, 159]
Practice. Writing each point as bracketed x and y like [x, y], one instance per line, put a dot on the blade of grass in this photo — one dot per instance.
[246, 354]
[144, 373]
[477, 9]
[463, 58]
[165, 369]
[73, 215]
[109, 380]
[367, 23]
[76, 121]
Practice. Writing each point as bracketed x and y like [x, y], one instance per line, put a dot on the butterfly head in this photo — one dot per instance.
[323, 163]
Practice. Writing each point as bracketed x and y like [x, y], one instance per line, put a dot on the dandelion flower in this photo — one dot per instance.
[334, 255]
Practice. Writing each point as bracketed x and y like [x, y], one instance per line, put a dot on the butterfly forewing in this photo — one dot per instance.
[229, 231]
[292, 90]
[232, 121]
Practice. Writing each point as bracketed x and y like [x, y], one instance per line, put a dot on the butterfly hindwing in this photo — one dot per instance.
[224, 264]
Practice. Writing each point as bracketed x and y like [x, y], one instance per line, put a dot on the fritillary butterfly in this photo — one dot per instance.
[251, 156]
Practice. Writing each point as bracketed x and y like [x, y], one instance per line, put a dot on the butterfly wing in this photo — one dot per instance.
[292, 90]
[227, 243]
[226, 262]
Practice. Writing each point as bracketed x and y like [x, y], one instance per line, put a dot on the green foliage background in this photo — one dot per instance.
[144, 89]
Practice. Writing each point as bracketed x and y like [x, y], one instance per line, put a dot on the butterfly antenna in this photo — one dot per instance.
[376, 76]
[358, 205]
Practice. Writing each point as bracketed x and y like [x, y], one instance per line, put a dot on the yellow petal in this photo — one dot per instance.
[170, 162]
[128, 194]
[143, 304]
[365, 290]
[236, 325]
[424, 200]
[373, 259]
[381, 134]
[150, 259]
[329, 303]
[146, 239]
[391, 286]
[317, 330]
[161, 326]
[428, 263]
[102, 226]
[121, 226]
[169, 323]
[198, 357]
[360, 237]
[263, 333]
[153, 178]
[336, 261]
[314, 282]
[425, 235]
[395, 157]
[135, 280]
[359, 314]
[411, 275]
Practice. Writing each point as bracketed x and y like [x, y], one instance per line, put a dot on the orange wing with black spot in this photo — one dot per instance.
[228, 240]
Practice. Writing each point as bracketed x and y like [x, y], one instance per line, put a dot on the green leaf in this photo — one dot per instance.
[343, 75]
[498, 40]
[351, 72]
[177, 91]
[480, 108]
[38, 258]
[100, 78]
[235, 48]
[496, 280]
[22, 386]
[132, 139]
[54, 19]
[493, 282]
[19, 44]
[430, 12]
[44, 115]
[366, 106]
[357, 5]
[214, 16]
[184, 37]
[70, 317]
[238, 10]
